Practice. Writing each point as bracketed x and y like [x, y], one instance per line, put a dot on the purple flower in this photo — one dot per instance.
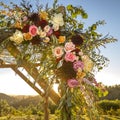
[77, 65]
[50, 32]
[87, 81]
[72, 83]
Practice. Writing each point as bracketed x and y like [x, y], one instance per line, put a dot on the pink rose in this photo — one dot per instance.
[70, 57]
[33, 30]
[77, 65]
[58, 51]
[69, 46]
[72, 83]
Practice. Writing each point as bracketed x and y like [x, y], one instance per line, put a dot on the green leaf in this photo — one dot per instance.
[69, 7]
[60, 64]
[105, 93]
[73, 15]
[69, 102]
[80, 26]
[94, 27]
[84, 15]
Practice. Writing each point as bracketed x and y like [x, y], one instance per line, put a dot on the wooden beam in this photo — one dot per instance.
[14, 65]
[34, 72]
[27, 81]
[7, 65]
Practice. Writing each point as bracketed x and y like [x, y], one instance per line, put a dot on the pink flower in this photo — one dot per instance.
[58, 51]
[77, 65]
[25, 18]
[50, 32]
[33, 30]
[87, 81]
[69, 46]
[72, 83]
[70, 57]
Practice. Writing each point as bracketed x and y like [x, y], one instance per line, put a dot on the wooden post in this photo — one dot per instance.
[46, 110]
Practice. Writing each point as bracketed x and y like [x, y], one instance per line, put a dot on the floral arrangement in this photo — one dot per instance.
[67, 53]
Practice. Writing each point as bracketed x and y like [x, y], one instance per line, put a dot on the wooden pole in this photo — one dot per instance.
[27, 81]
[46, 110]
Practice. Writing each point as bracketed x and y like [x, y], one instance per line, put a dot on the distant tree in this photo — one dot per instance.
[113, 92]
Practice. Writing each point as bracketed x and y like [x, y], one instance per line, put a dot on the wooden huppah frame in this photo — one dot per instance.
[14, 52]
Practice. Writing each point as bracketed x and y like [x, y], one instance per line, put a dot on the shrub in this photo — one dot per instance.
[109, 106]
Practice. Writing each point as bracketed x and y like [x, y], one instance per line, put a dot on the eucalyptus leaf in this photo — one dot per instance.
[60, 63]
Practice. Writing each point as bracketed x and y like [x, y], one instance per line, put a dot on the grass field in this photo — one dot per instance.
[52, 117]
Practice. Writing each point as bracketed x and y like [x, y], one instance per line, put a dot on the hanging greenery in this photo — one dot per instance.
[67, 54]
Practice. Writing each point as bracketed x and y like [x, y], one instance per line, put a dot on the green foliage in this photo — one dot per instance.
[4, 108]
[75, 11]
[108, 106]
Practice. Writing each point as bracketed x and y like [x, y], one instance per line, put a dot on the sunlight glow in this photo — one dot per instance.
[55, 87]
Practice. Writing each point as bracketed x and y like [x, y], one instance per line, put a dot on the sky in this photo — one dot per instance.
[107, 10]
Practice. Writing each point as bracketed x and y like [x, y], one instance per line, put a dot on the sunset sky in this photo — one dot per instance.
[107, 10]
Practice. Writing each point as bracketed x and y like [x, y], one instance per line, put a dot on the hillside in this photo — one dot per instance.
[113, 92]
[19, 100]
[8, 98]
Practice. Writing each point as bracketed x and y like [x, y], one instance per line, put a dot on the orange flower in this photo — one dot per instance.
[61, 39]
[3, 12]
[80, 74]
[43, 15]
[27, 36]
[17, 25]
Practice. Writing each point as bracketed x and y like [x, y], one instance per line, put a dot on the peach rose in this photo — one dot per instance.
[69, 46]
[58, 51]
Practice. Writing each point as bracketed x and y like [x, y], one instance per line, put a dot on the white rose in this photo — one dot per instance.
[17, 37]
[47, 28]
[46, 39]
[42, 34]
[55, 27]
[58, 19]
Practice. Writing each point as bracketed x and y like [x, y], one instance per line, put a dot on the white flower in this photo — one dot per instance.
[58, 19]
[46, 39]
[42, 34]
[17, 37]
[55, 27]
[88, 63]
